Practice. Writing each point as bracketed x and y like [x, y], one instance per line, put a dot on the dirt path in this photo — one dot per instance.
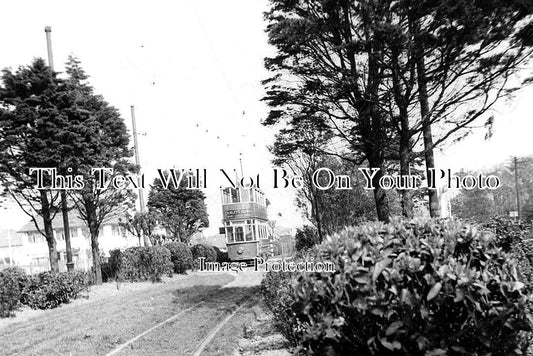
[97, 327]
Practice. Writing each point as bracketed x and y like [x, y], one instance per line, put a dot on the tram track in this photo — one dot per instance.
[219, 316]
[96, 328]
[179, 318]
[64, 315]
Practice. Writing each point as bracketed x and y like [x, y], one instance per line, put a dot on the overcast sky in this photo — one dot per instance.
[193, 70]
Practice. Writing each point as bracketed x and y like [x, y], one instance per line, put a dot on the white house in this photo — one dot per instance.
[29, 250]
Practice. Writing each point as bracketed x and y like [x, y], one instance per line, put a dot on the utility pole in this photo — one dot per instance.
[138, 163]
[64, 202]
[137, 159]
[10, 247]
[516, 187]
[240, 162]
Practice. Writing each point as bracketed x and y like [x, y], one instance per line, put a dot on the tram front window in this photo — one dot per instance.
[239, 234]
[249, 233]
[229, 234]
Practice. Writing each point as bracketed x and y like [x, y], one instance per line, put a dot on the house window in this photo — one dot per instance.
[59, 235]
[35, 237]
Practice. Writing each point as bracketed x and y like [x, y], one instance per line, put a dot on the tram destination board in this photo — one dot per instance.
[244, 211]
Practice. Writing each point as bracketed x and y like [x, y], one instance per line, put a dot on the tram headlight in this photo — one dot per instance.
[240, 251]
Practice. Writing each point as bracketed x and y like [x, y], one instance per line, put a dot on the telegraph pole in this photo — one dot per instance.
[64, 203]
[146, 239]
[516, 187]
[137, 160]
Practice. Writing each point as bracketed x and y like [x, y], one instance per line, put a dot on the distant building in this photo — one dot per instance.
[11, 247]
[284, 242]
[218, 240]
[28, 249]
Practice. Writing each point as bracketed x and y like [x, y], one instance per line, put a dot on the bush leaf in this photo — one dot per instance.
[434, 291]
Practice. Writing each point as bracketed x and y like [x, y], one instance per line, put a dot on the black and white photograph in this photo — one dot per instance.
[266, 177]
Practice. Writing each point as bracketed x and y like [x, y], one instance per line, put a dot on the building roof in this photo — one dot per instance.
[73, 219]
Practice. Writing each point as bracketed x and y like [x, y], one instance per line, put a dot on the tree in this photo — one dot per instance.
[100, 141]
[181, 211]
[377, 75]
[330, 209]
[481, 205]
[328, 72]
[30, 124]
[466, 54]
[141, 225]
[476, 204]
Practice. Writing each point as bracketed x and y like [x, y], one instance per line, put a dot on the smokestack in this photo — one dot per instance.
[48, 31]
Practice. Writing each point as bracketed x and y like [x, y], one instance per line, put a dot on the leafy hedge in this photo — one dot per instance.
[508, 231]
[415, 288]
[180, 255]
[111, 267]
[306, 238]
[206, 251]
[278, 296]
[12, 281]
[145, 263]
[222, 256]
[47, 290]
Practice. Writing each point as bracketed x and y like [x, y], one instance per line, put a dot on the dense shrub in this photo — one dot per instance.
[276, 288]
[19, 274]
[180, 255]
[201, 250]
[222, 256]
[47, 290]
[145, 263]
[515, 237]
[306, 238]
[111, 267]
[12, 281]
[416, 288]
[508, 231]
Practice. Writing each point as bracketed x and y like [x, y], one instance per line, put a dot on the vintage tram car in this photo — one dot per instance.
[245, 220]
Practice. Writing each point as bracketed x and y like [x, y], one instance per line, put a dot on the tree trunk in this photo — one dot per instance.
[380, 195]
[434, 206]
[375, 132]
[405, 160]
[146, 240]
[375, 160]
[95, 248]
[49, 232]
[402, 101]
[315, 206]
[66, 229]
